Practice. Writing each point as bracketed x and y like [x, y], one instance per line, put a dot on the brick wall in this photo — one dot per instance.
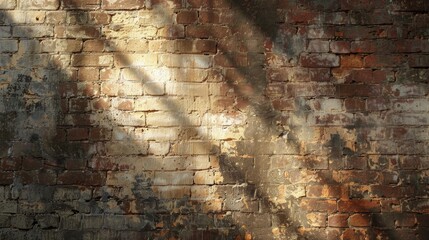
[201, 119]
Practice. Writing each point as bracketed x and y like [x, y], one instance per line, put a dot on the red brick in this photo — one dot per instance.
[126, 105]
[408, 46]
[186, 17]
[284, 104]
[352, 61]
[364, 46]
[209, 16]
[377, 61]
[6, 178]
[75, 164]
[76, 134]
[318, 205]
[97, 134]
[29, 163]
[360, 220]
[9, 164]
[418, 61]
[320, 60]
[101, 104]
[338, 220]
[231, 60]
[355, 234]
[302, 17]
[84, 178]
[359, 206]
[355, 105]
[79, 105]
[323, 191]
[340, 46]
[406, 220]
[358, 90]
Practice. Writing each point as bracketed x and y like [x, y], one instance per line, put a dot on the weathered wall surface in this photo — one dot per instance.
[201, 119]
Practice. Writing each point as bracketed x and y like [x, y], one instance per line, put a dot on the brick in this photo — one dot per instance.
[355, 90]
[323, 191]
[76, 134]
[40, 4]
[79, 32]
[213, 31]
[126, 148]
[360, 220]
[173, 178]
[192, 148]
[172, 192]
[320, 60]
[36, 31]
[186, 61]
[186, 17]
[8, 4]
[171, 119]
[48, 221]
[122, 4]
[81, 4]
[338, 220]
[60, 45]
[92, 60]
[22, 221]
[84, 178]
[159, 148]
[352, 61]
[339, 46]
[8, 46]
[358, 206]
[211, 16]
[136, 60]
[383, 61]
[318, 46]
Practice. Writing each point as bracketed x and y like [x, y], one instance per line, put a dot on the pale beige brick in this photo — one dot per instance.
[122, 4]
[92, 60]
[193, 148]
[147, 103]
[189, 75]
[36, 31]
[158, 134]
[173, 178]
[40, 4]
[8, 45]
[154, 88]
[159, 148]
[79, 31]
[61, 45]
[15, 17]
[5, 31]
[56, 17]
[204, 177]
[34, 17]
[123, 148]
[172, 192]
[130, 88]
[187, 89]
[166, 119]
[130, 118]
[7, 4]
[128, 60]
[186, 61]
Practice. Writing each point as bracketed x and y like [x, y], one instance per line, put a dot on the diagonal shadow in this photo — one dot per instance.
[240, 176]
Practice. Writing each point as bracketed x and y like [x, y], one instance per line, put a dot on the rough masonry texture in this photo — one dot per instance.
[214, 119]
